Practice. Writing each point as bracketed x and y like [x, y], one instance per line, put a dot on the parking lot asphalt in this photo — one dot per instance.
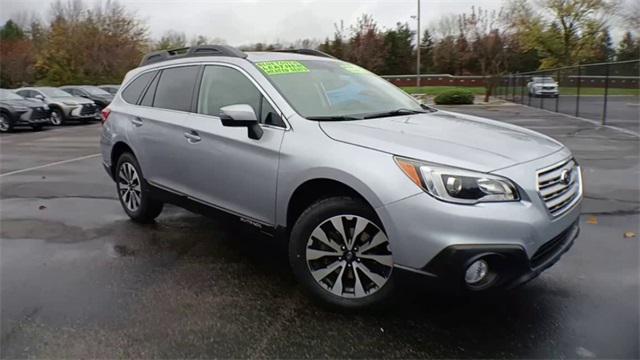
[622, 111]
[78, 279]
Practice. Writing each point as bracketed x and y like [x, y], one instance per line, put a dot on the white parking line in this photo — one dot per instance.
[49, 164]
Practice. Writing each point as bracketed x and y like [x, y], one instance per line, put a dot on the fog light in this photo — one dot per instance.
[476, 272]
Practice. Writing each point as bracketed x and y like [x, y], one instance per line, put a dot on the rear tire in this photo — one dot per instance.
[134, 191]
[348, 269]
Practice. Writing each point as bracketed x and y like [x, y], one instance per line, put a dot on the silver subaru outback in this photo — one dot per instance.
[363, 182]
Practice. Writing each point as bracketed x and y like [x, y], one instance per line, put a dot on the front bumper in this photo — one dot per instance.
[85, 111]
[545, 92]
[35, 116]
[509, 265]
[439, 239]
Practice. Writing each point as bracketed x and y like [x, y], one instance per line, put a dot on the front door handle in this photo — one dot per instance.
[192, 136]
[136, 121]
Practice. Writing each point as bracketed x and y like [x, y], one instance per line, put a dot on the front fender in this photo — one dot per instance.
[307, 153]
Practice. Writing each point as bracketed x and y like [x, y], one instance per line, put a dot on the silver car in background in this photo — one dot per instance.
[540, 86]
[365, 184]
[63, 105]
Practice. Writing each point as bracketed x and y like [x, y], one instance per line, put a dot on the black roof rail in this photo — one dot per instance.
[193, 51]
[311, 52]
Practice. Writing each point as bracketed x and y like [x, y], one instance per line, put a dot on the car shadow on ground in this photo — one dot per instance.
[417, 322]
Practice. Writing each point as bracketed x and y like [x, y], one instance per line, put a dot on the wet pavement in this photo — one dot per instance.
[78, 279]
[622, 111]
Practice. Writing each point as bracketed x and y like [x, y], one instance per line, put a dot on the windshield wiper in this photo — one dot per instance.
[393, 113]
[333, 118]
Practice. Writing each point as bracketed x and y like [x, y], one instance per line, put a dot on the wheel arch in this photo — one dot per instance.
[6, 111]
[316, 189]
[55, 106]
[118, 149]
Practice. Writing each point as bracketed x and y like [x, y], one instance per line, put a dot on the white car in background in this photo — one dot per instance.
[542, 86]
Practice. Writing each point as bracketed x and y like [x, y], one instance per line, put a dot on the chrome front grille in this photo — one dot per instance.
[560, 186]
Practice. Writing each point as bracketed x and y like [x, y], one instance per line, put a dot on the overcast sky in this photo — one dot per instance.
[243, 22]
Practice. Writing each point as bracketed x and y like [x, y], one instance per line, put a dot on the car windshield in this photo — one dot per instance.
[9, 95]
[95, 91]
[53, 92]
[543, 79]
[335, 90]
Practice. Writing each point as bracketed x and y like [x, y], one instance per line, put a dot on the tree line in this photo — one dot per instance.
[83, 45]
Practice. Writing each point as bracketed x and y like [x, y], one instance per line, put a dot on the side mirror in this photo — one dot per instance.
[39, 97]
[241, 115]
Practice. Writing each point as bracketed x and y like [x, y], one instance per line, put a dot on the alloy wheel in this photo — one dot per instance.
[4, 123]
[129, 187]
[349, 256]
[56, 118]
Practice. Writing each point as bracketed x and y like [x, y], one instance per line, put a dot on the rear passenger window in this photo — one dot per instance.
[175, 88]
[134, 90]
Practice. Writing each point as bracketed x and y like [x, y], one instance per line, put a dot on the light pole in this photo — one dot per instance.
[418, 49]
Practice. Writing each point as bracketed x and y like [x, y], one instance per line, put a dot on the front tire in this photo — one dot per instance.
[134, 191]
[57, 117]
[340, 254]
[6, 124]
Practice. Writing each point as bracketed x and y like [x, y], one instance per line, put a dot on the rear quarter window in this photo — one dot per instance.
[133, 91]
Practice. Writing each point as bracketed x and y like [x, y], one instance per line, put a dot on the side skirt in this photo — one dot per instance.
[211, 211]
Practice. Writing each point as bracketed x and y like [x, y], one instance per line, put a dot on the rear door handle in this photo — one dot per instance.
[192, 136]
[136, 121]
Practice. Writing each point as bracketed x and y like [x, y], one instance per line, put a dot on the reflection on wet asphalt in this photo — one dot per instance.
[78, 279]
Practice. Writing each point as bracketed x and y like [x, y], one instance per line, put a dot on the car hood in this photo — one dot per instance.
[22, 102]
[77, 100]
[446, 138]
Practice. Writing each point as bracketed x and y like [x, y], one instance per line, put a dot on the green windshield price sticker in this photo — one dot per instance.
[282, 67]
[354, 69]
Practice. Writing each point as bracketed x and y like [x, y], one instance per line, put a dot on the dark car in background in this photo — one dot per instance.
[101, 97]
[111, 89]
[18, 111]
[64, 106]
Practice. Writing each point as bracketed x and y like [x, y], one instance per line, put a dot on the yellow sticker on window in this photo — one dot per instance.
[354, 69]
[282, 67]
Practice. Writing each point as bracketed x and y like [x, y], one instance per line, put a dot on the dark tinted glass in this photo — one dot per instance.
[133, 91]
[175, 88]
[222, 86]
[24, 93]
[147, 100]
[268, 115]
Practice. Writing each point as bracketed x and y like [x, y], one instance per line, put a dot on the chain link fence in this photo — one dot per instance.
[605, 92]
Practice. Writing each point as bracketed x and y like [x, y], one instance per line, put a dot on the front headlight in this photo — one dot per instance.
[458, 185]
[20, 108]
